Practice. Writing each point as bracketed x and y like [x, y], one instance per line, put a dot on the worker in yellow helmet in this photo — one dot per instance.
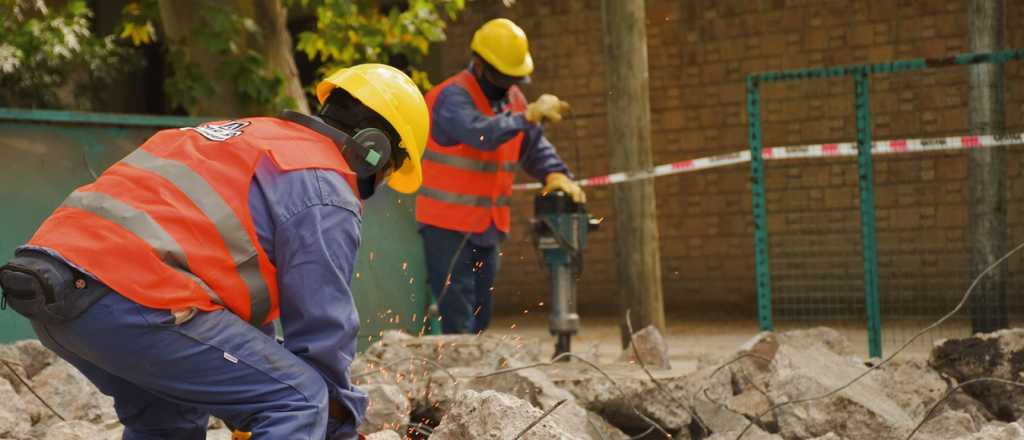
[482, 131]
[159, 281]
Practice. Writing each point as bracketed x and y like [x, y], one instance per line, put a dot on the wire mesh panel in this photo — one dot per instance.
[812, 208]
[835, 257]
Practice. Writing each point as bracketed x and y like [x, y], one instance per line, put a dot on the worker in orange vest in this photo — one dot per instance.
[482, 131]
[160, 280]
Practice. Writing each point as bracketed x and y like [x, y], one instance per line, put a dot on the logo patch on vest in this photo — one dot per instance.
[220, 132]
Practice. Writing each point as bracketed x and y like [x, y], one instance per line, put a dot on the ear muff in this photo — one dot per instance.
[367, 152]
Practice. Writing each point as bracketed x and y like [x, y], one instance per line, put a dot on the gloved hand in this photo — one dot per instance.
[559, 181]
[546, 107]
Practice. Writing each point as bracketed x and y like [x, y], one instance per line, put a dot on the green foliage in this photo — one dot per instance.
[50, 58]
[358, 31]
[224, 33]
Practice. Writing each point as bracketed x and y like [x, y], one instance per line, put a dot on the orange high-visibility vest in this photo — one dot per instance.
[169, 225]
[466, 189]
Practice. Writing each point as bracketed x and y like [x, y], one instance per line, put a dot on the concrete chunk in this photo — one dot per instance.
[997, 431]
[70, 393]
[494, 415]
[651, 346]
[533, 386]
[861, 411]
[34, 356]
[384, 435]
[754, 433]
[14, 418]
[999, 355]
[389, 408]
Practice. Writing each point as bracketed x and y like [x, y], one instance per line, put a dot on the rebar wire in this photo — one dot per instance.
[642, 434]
[931, 411]
[388, 366]
[636, 352]
[906, 344]
[746, 377]
[539, 419]
[33, 391]
[608, 377]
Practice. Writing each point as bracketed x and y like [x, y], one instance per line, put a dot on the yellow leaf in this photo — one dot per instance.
[139, 34]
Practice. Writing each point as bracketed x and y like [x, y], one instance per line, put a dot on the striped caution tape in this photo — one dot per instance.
[894, 146]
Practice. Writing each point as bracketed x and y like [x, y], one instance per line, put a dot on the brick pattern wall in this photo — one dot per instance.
[700, 52]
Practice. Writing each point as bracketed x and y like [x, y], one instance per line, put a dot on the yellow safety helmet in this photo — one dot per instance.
[503, 44]
[390, 93]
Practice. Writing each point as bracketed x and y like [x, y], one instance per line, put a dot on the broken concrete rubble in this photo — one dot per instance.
[14, 419]
[384, 435]
[997, 355]
[494, 415]
[829, 436]
[754, 433]
[11, 367]
[651, 346]
[65, 389]
[828, 338]
[462, 401]
[862, 411]
[912, 385]
[34, 356]
[950, 424]
[486, 351]
[533, 386]
[997, 431]
[620, 404]
[388, 408]
[82, 430]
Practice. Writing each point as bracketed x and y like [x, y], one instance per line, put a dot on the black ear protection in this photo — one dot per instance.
[367, 152]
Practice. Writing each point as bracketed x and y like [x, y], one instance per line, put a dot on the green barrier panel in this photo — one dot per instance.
[45, 154]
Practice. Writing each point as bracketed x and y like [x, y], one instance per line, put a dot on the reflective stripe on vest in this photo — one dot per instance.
[464, 199]
[468, 163]
[143, 226]
[240, 247]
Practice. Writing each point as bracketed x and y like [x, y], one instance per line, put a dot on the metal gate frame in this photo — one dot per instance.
[861, 74]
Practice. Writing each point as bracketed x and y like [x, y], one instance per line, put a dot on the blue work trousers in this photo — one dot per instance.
[166, 379]
[467, 303]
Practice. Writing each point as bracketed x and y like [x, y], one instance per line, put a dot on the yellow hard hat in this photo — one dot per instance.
[503, 44]
[390, 93]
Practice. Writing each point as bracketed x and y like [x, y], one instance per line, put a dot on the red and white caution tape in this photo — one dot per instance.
[894, 146]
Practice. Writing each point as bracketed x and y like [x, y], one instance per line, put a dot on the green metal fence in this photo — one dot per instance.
[45, 154]
[861, 75]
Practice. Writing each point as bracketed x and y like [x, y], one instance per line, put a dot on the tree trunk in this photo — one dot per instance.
[277, 48]
[629, 143]
[180, 18]
[986, 173]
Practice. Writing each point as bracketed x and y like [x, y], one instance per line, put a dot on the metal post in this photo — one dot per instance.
[986, 169]
[764, 274]
[866, 185]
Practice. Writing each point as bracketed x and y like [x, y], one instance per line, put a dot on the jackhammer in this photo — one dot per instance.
[560, 227]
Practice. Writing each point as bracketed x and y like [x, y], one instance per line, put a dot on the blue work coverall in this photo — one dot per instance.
[467, 303]
[167, 379]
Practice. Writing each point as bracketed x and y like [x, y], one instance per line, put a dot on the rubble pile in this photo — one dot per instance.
[777, 386]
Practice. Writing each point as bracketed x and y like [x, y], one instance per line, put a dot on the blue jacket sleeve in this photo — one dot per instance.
[456, 120]
[538, 156]
[315, 250]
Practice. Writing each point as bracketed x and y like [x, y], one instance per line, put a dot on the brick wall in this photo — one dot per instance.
[700, 52]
